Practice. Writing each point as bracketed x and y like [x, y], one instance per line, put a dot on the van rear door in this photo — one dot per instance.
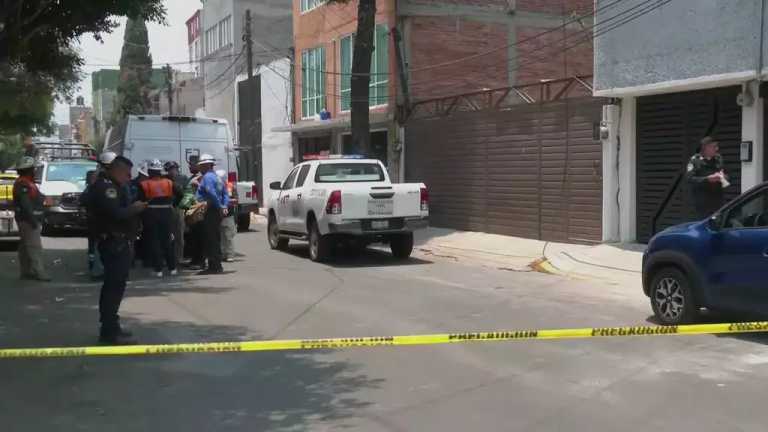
[152, 138]
[206, 136]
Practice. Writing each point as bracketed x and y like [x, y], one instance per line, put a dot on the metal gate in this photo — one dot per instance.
[669, 128]
[530, 170]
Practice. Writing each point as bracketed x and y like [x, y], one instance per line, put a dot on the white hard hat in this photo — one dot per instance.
[205, 158]
[156, 165]
[107, 158]
[26, 162]
[143, 169]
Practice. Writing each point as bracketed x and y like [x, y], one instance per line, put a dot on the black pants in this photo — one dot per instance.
[193, 243]
[116, 256]
[212, 226]
[157, 238]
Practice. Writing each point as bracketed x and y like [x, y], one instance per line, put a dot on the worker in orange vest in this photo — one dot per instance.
[28, 206]
[159, 192]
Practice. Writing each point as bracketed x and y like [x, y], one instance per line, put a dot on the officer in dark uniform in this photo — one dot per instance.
[115, 222]
[706, 179]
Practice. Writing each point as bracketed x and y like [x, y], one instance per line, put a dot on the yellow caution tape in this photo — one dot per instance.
[428, 339]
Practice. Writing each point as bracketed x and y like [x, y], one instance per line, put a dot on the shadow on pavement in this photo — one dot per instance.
[275, 391]
[358, 259]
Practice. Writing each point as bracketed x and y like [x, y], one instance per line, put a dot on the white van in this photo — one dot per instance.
[143, 138]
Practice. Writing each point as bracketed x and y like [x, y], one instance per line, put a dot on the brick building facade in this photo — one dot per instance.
[449, 46]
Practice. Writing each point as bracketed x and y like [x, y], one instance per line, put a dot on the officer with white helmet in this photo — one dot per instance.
[160, 194]
[213, 191]
[28, 204]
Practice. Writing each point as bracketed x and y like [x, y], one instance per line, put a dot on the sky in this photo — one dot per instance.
[167, 44]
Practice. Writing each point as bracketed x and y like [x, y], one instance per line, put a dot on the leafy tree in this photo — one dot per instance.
[361, 74]
[10, 151]
[135, 72]
[38, 63]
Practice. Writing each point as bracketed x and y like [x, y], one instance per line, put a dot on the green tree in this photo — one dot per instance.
[10, 151]
[135, 72]
[38, 62]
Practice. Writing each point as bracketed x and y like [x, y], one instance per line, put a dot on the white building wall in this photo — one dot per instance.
[752, 129]
[276, 147]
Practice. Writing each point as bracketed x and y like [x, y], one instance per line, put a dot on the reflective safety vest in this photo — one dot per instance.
[157, 188]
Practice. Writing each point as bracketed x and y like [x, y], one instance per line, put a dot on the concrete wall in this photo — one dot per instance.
[276, 148]
[438, 32]
[272, 36]
[697, 41]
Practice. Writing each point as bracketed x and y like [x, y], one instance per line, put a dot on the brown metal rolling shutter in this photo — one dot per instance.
[669, 128]
[530, 171]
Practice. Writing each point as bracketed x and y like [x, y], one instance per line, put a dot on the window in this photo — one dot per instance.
[69, 172]
[288, 184]
[752, 213]
[312, 81]
[302, 176]
[378, 93]
[218, 36]
[349, 173]
[308, 5]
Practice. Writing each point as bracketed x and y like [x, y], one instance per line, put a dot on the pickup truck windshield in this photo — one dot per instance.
[349, 173]
[69, 172]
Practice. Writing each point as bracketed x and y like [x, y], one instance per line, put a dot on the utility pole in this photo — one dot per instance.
[254, 157]
[169, 84]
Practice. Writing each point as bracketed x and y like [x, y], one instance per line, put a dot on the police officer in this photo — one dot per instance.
[115, 221]
[706, 178]
[212, 191]
[159, 193]
[28, 205]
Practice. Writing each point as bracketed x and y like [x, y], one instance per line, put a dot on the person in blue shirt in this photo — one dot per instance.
[214, 192]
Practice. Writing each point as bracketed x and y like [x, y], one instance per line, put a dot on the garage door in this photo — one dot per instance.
[669, 128]
[531, 171]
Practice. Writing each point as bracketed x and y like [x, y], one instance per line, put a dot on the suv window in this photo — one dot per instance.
[302, 176]
[752, 213]
[288, 184]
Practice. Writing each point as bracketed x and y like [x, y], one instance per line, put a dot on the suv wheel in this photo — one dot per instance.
[672, 298]
[319, 245]
[273, 233]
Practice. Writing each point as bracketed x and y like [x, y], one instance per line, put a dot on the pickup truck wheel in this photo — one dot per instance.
[672, 298]
[319, 245]
[276, 242]
[401, 245]
[243, 222]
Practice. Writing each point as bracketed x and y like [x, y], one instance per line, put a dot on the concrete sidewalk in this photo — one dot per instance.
[613, 263]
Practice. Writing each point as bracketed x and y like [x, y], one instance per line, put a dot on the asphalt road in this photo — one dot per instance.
[677, 383]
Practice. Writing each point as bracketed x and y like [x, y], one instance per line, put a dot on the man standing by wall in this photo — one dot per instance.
[214, 193]
[28, 202]
[706, 178]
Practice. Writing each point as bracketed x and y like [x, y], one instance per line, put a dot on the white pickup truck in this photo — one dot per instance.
[345, 200]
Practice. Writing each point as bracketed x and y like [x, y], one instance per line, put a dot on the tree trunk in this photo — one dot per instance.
[361, 76]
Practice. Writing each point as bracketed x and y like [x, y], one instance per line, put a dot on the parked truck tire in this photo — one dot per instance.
[320, 246]
[243, 222]
[401, 245]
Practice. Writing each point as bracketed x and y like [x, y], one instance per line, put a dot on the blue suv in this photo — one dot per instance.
[720, 263]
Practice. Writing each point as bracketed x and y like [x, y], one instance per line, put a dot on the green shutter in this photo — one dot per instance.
[321, 79]
[382, 65]
[304, 84]
[346, 70]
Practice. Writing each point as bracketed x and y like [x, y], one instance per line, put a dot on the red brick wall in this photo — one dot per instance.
[554, 6]
[437, 40]
[545, 57]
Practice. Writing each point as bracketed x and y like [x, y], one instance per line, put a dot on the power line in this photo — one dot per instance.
[229, 83]
[218, 77]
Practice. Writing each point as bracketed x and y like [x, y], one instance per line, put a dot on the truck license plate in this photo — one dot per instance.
[380, 207]
[379, 225]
